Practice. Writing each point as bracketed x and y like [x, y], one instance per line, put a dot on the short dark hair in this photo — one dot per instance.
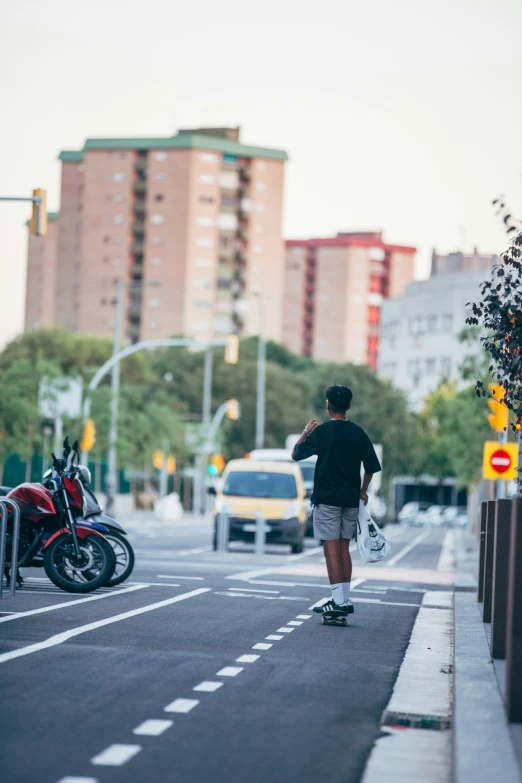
[339, 398]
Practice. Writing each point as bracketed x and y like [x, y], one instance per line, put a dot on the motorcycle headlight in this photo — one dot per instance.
[292, 510]
[84, 474]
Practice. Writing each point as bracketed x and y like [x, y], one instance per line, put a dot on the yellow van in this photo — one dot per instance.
[276, 489]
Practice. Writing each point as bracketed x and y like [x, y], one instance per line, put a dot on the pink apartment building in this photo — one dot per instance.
[41, 276]
[198, 214]
[334, 289]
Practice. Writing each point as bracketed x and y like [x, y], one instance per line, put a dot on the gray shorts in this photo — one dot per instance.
[331, 522]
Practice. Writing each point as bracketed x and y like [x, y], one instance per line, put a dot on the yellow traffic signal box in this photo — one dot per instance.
[233, 410]
[499, 416]
[39, 228]
[232, 349]
[89, 435]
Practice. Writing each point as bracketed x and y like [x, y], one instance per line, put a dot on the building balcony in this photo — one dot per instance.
[140, 164]
[138, 205]
[138, 227]
[134, 310]
[137, 247]
[140, 186]
[136, 269]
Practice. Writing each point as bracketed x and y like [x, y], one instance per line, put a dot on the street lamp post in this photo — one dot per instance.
[261, 376]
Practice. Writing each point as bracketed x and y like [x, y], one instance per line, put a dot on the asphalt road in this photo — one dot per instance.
[149, 681]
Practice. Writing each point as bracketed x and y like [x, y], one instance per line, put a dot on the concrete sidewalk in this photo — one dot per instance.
[483, 743]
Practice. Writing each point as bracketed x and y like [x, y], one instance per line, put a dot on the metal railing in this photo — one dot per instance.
[500, 592]
[223, 530]
[4, 502]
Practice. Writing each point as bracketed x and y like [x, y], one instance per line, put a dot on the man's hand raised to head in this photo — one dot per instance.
[311, 426]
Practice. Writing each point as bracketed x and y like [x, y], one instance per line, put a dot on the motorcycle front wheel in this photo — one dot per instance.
[124, 558]
[83, 574]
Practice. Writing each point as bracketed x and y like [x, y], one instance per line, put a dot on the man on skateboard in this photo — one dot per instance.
[341, 447]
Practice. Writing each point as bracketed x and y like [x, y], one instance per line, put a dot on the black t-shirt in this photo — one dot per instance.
[341, 447]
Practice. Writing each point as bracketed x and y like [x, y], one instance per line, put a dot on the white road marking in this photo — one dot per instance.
[247, 658]
[295, 622]
[245, 576]
[274, 637]
[253, 590]
[116, 755]
[287, 584]
[65, 604]
[303, 616]
[382, 603]
[153, 727]
[240, 594]
[229, 671]
[309, 552]
[284, 630]
[207, 686]
[321, 601]
[261, 646]
[74, 779]
[194, 578]
[181, 705]
[158, 584]
[53, 641]
[403, 552]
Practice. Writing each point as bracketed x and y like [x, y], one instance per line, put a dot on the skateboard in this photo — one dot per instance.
[334, 618]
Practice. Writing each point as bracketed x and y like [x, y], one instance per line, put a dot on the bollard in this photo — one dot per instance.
[513, 697]
[482, 549]
[3, 539]
[222, 533]
[488, 561]
[260, 541]
[499, 594]
[16, 538]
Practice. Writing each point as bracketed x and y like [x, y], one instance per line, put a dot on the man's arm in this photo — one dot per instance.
[364, 489]
[371, 466]
[310, 427]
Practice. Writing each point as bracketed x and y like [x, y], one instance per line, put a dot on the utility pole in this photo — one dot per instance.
[261, 377]
[112, 467]
[199, 462]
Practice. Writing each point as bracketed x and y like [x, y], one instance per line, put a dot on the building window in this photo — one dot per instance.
[153, 324]
[203, 262]
[160, 177]
[117, 261]
[118, 240]
[106, 239]
[157, 220]
[154, 303]
[259, 228]
[258, 248]
[431, 366]
[123, 155]
[204, 220]
[260, 207]
[119, 219]
[157, 241]
[208, 157]
[159, 197]
[446, 322]
[260, 186]
[108, 197]
[445, 366]
[206, 200]
[203, 242]
[260, 165]
[207, 179]
[156, 261]
[201, 284]
[432, 323]
[119, 197]
[161, 156]
[201, 326]
[119, 177]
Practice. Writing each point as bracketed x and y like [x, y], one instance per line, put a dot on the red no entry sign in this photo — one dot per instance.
[500, 461]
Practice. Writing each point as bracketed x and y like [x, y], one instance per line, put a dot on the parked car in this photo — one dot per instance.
[276, 489]
[409, 511]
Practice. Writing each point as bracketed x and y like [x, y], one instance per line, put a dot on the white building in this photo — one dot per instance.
[419, 343]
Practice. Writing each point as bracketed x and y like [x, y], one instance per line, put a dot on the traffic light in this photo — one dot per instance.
[498, 418]
[39, 227]
[89, 435]
[216, 465]
[157, 459]
[233, 410]
[171, 465]
[232, 349]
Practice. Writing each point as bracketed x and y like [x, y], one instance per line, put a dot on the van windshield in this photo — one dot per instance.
[260, 485]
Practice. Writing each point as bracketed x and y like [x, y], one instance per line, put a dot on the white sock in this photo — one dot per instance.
[337, 593]
[346, 590]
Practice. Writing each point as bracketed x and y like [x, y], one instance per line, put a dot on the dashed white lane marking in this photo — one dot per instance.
[157, 584]
[247, 658]
[65, 604]
[303, 616]
[74, 779]
[181, 705]
[253, 590]
[285, 630]
[207, 686]
[153, 727]
[295, 622]
[403, 552]
[286, 584]
[229, 671]
[59, 638]
[239, 593]
[115, 755]
[192, 578]
[321, 601]
[261, 646]
[274, 637]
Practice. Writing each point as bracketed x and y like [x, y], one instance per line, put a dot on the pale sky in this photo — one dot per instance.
[400, 115]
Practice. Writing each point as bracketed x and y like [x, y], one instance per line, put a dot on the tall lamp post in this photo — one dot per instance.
[112, 457]
[261, 374]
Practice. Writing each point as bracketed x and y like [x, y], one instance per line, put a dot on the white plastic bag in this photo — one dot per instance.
[169, 508]
[371, 541]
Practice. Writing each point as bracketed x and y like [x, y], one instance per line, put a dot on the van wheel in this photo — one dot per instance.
[297, 548]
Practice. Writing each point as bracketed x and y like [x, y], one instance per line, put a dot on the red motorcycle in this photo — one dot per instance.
[76, 558]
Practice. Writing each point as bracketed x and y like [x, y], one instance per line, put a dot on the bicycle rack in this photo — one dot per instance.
[4, 502]
[223, 527]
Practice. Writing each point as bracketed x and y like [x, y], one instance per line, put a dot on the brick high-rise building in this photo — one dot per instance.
[200, 213]
[40, 304]
[334, 289]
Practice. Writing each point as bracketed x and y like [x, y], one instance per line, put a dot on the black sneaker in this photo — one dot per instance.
[348, 607]
[330, 606]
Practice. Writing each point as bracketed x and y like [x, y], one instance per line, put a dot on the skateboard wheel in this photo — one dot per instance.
[343, 621]
[323, 620]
